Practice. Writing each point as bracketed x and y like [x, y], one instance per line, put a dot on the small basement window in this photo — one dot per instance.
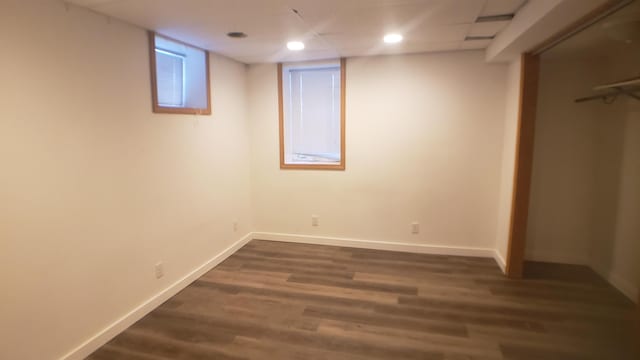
[179, 77]
[311, 102]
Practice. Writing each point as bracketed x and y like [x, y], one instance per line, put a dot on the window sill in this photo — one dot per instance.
[312, 166]
[180, 110]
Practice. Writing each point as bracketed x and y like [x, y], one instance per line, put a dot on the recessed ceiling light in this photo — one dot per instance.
[392, 38]
[295, 45]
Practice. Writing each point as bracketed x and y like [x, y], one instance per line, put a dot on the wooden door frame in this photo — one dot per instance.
[529, 78]
[529, 71]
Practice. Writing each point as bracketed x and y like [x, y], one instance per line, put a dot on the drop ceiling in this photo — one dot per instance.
[329, 28]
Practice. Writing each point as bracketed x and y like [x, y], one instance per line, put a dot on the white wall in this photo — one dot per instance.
[511, 121]
[424, 140]
[94, 188]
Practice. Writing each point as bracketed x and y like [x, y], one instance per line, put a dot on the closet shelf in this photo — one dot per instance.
[610, 92]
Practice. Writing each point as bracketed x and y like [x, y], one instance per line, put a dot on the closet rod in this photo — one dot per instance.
[628, 87]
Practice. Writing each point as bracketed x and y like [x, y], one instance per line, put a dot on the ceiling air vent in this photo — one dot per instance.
[469, 38]
[237, 35]
[491, 18]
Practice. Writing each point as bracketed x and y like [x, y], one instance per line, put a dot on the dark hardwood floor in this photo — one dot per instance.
[273, 300]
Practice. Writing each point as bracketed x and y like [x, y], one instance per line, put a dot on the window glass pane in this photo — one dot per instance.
[181, 75]
[196, 79]
[312, 114]
[170, 78]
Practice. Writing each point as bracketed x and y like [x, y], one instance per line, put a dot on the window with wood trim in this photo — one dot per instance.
[311, 100]
[179, 77]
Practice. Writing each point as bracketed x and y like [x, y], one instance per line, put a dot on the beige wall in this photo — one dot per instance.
[615, 248]
[617, 256]
[424, 140]
[511, 119]
[563, 182]
[94, 188]
[585, 198]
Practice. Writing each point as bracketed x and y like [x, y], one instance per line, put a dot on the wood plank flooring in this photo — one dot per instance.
[273, 300]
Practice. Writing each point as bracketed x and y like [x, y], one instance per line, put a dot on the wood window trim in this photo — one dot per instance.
[341, 165]
[158, 109]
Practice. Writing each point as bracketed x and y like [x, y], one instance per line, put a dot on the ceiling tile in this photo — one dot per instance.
[405, 49]
[487, 28]
[89, 3]
[501, 7]
[418, 37]
[474, 44]
[338, 16]
[329, 28]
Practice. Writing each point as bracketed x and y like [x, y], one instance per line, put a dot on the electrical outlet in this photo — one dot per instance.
[315, 221]
[415, 228]
[235, 226]
[159, 270]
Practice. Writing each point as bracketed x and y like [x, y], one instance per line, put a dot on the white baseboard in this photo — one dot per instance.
[377, 245]
[628, 288]
[624, 286]
[101, 338]
[108, 333]
[557, 257]
[500, 260]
